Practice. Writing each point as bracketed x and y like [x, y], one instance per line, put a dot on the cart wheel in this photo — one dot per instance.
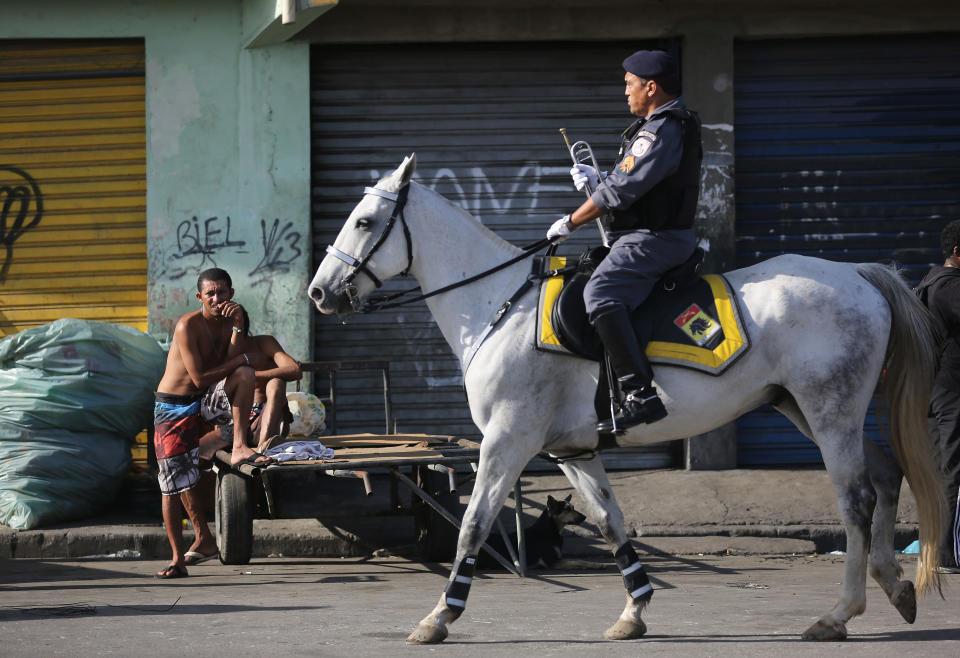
[436, 537]
[234, 517]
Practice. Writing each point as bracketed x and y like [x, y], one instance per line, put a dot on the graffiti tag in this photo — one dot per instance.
[198, 241]
[474, 191]
[207, 237]
[21, 207]
[280, 247]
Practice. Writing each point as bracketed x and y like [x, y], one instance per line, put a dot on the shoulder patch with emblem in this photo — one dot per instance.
[641, 146]
[627, 164]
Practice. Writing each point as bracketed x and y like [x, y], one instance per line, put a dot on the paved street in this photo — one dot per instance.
[704, 606]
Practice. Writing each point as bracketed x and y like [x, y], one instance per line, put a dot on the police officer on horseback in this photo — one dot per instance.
[650, 199]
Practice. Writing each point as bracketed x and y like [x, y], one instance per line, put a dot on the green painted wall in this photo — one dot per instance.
[228, 160]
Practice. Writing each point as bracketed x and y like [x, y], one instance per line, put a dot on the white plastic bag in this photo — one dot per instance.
[308, 414]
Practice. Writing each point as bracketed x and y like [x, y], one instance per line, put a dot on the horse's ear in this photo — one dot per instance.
[404, 173]
[401, 175]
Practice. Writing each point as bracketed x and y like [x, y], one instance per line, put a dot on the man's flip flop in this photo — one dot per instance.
[271, 441]
[252, 460]
[196, 557]
[172, 571]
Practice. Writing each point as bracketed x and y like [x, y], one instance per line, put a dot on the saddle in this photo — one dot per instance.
[688, 320]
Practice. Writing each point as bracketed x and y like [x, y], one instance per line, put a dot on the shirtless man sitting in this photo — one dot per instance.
[273, 368]
[206, 347]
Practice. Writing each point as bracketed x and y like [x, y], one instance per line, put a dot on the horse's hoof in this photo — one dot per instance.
[427, 634]
[626, 630]
[904, 599]
[825, 632]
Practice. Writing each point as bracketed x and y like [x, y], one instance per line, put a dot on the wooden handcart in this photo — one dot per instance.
[367, 476]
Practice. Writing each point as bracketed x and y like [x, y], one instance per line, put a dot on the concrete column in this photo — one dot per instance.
[707, 53]
[708, 88]
[273, 166]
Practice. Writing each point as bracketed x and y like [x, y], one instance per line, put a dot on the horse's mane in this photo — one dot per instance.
[464, 214]
[393, 181]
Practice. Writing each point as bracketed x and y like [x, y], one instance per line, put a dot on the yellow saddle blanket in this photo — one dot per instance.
[698, 326]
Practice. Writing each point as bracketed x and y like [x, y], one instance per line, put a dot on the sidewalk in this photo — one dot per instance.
[675, 512]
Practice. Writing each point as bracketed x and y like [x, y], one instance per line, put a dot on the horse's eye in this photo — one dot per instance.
[364, 224]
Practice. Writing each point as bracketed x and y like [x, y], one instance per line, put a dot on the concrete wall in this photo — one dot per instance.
[228, 161]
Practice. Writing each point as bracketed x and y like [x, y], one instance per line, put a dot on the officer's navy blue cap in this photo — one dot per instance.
[651, 64]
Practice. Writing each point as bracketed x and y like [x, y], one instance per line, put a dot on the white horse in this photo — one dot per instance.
[822, 334]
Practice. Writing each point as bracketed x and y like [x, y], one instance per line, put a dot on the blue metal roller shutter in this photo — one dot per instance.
[846, 149]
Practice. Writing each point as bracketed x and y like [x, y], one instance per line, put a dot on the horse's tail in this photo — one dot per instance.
[905, 386]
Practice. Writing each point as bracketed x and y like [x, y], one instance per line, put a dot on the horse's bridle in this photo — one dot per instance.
[360, 265]
[396, 299]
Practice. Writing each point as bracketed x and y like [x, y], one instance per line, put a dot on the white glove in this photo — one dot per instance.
[560, 229]
[584, 174]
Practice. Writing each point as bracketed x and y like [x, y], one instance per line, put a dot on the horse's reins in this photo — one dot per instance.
[394, 300]
[387, 301]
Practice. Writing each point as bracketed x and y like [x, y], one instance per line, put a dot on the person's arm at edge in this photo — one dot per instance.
[190, 356]
[586, 212]
[286, 368]
[235, 347]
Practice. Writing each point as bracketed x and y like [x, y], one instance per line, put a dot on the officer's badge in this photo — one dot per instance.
[641, 146]
[696, 324]
[627, 164]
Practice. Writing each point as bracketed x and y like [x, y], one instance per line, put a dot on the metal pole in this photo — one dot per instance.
[288, 13]
[332, 411]
[387, 407]
[449, 471]
[521, 535]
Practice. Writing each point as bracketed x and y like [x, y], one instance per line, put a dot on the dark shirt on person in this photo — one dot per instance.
[943, 300]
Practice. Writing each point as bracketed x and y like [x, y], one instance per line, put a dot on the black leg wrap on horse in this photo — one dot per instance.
[634, 575]
[458, 587]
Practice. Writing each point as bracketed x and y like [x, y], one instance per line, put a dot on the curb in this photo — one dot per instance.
[310, 539]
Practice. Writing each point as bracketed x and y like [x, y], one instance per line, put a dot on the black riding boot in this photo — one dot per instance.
[641, 403]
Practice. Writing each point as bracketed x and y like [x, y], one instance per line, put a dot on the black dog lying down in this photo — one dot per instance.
[544, 539]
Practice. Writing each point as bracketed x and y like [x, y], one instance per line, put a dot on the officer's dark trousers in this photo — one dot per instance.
[945, 428]
[636, 261]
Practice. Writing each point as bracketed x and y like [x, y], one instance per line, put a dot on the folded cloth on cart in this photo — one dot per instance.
[299, 451]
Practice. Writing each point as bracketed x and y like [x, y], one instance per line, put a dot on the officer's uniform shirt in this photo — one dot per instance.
[638, 257]
[653, 154]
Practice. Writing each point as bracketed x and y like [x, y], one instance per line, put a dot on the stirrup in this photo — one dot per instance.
[640, 406]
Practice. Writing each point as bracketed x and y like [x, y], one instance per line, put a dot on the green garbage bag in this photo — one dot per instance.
[73, 396]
